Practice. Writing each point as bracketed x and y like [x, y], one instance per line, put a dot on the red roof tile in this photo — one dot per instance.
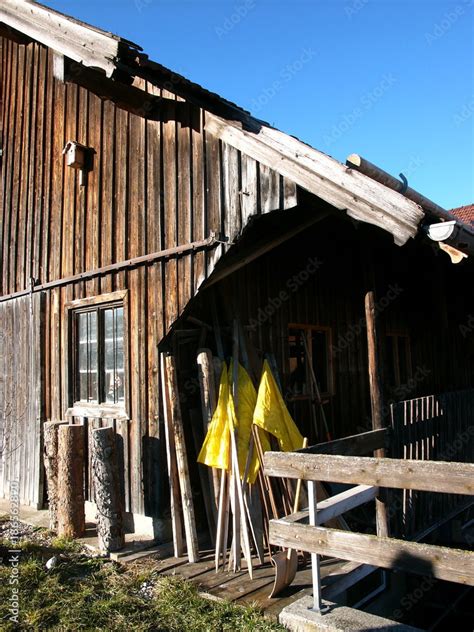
[465, 214]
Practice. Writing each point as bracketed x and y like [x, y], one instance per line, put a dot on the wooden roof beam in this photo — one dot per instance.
[70, 37]
[361, 197]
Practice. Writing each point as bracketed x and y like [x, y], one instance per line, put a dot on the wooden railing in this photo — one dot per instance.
[368, 474]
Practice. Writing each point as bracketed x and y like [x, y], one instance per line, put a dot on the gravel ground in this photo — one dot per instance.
[37, 536]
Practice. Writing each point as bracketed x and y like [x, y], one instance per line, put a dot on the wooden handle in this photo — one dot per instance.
[298, 485]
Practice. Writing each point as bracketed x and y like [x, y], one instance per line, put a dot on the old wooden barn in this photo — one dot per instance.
[142, 214]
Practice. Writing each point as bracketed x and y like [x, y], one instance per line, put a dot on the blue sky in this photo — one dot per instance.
[392, 80]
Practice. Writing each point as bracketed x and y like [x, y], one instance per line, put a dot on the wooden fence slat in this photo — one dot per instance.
[441, 562]
[439, 476]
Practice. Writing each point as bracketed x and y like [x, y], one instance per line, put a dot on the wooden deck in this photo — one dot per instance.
[238, 587]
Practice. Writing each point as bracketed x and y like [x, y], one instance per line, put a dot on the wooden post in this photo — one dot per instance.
[70, 497]
[376, 400]
[50, 429]
[209, 396]
[176, 517]
[182, 460]
[107, 490]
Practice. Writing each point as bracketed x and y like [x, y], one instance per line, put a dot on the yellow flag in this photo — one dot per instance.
[216, 446]
[271, 413]
[215, 451]
[246, 400]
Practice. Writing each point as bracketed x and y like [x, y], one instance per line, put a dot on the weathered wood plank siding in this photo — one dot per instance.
[155, 183]
[21, 399]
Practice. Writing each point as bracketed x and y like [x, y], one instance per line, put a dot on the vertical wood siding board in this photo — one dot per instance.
[170, 210]
[38, 385]
[213, 190]
[107, 187]
[38, 162]
[197, 194]
[81, 197]
[92, 247]
[8, 397]
[19, 186]
[137, 322]
[29, 160]
[48, 171]
[6, 74]
[249, 189]
[120, 188]
[70, 179]
[2, 368]
[184, 221]
[153, 159]
[290, 194]
[8, 167]
[232, 220]
[16, 167]
[57, 161]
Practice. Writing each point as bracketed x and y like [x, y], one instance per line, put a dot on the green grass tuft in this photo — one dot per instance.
[82, 593]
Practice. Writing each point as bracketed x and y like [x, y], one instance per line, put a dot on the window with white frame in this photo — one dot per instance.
[98, 354]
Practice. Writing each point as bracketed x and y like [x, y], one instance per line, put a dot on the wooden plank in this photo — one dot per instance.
[364, 198]
[169, 188]
[181, 459]
[249, 189]
[335, 506]
[425, 559]
[94, 183]
[355, 445]
[107, 157]
[198, 195]
[176, 519]
[77, 40]
[432, 476]
[185, 218]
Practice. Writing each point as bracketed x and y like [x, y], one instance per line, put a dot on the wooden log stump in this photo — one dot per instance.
[107, 490]
[50, 430]
[70, 496]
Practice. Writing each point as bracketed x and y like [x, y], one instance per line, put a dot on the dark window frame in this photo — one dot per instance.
[329, 392]
[78, 407]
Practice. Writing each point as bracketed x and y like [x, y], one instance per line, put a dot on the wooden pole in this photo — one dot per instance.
[208, 389]
[70, 505]
[376, 400]
[107, 490]
[176, 518]
[182, 460]
[50, 429]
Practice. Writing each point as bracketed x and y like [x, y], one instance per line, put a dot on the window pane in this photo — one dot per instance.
[113, 354]
[298, 377]
[87, 357]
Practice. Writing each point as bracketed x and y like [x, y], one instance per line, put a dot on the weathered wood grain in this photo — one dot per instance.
[424, 559]
[432, 476]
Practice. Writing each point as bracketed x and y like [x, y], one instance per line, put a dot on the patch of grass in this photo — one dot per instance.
[82, 593]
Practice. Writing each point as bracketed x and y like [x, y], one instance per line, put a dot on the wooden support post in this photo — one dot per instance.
[209, 396]
[182, 460]
[176, 518]
[107, 490]
[70, 506]
[376, 400]
[50, 429]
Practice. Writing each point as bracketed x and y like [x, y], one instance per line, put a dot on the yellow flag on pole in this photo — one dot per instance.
[216, 446]
[271, 413]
